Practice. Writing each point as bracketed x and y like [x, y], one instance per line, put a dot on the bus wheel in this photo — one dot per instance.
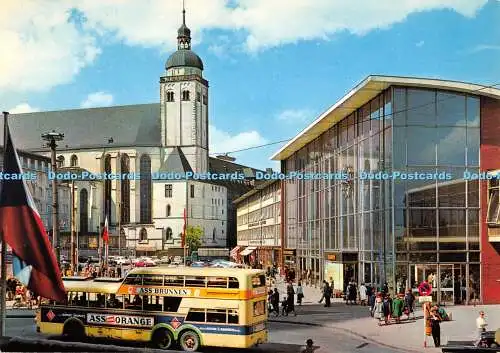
[162, 338]
[74, 330]
[189, 341]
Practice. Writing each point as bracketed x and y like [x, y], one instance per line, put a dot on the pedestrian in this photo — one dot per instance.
[436, 327]
[481, 325]
[378, 309]
[409, 303]
[309, 346]
[290, 293]
[332, 287]
[387, 308]
[276, 301]
[284, 306]
[300, 293]
[119, 271]
[385, 289]
[397, 307]
[363, 294]
[327, 294]
[371, 302]
[323, 291]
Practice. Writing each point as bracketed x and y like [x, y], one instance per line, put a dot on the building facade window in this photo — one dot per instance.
[125, 189]
[493, 215]
[74, 161]
[170, 96]
[192, 191]
[213, 235]
[185, 95]
[198, 96]
[168, 210]
[107, 189]
[145, 186]
[168, 190]
[168, 234]
[205, 99]
[84, 212]
[60, 161]
[143, 235]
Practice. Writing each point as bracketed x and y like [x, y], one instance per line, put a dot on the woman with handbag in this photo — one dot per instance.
[300, 293]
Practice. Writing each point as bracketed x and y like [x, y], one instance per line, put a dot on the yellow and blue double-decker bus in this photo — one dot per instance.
[190, 307]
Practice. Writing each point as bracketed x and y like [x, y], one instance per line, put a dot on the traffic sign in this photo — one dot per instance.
[425, 299]
[425, 289]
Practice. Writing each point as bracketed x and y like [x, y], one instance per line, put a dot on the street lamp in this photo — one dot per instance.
[51, 138]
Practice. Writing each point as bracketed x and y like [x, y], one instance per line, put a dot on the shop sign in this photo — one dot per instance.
[160, 291]
[291, 252]
[331, 257]
[425, 289]
[125, 320]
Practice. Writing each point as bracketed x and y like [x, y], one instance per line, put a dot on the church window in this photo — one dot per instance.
[213, 235]
[170, 96]
[74, 161]
[169, 210]
[145, 187]
[168, 234]
[60, 161]
[84, 211]
[205, 99]
[198, 96]
[107, 188]
[125, 189]
[143, 235]
[192, 191]
[185, 95]
[168, 190]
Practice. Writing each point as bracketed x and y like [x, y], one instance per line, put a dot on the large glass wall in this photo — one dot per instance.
[437, 219]
[398, 230]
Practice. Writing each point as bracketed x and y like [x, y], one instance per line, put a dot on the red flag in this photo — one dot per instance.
[36, 264]
[184, 230]
[105, 232]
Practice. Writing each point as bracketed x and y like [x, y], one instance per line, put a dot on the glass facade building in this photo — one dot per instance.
[404, 209]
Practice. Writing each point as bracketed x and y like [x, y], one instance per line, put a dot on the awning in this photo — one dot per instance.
[248, 251]
[234, 252]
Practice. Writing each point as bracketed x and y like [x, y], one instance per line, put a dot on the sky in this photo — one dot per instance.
[273, 65]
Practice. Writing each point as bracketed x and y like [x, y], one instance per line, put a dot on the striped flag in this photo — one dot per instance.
[34, 262]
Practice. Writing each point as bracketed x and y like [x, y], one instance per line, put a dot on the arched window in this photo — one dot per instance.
[60, 161]
[168, 234]
[185, 95]
[125, 189]
[84, 212]
[168, 210]
[213, 236]
[74, 161]
[107, 189]
[170, 96]
[143, 235]
[145, 185]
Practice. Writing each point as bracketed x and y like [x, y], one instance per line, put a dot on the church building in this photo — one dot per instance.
[144, 139]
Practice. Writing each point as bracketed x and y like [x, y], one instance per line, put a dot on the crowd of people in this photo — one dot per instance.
[22, 296]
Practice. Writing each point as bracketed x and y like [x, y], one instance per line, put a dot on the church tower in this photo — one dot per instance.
[184, 103]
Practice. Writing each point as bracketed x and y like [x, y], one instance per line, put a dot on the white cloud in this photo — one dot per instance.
[420, 44]
[23, 108]
[48, 47]
[42, 48]
[97, 99]
[482, 47]
[295, 116]
[222, 142]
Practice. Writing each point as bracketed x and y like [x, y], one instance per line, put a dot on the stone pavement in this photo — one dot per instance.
[407, 336]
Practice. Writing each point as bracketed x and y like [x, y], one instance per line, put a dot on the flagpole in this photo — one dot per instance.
[3, 265]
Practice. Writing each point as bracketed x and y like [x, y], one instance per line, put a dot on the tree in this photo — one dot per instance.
[193, 237]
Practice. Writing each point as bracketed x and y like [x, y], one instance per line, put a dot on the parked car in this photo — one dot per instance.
[200, 264]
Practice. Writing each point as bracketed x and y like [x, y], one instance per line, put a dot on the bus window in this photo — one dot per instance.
[96, 300]
[197, 281]
[217, 282]
[196, 315]
[232, 317]
[153, 303]
[233, 282]
[171, 303]
[259, 308]
[113, 302]
[152, 280]
[258, 281]
[216, 315]
[134, 279]
[174, 281]
[82, 299]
